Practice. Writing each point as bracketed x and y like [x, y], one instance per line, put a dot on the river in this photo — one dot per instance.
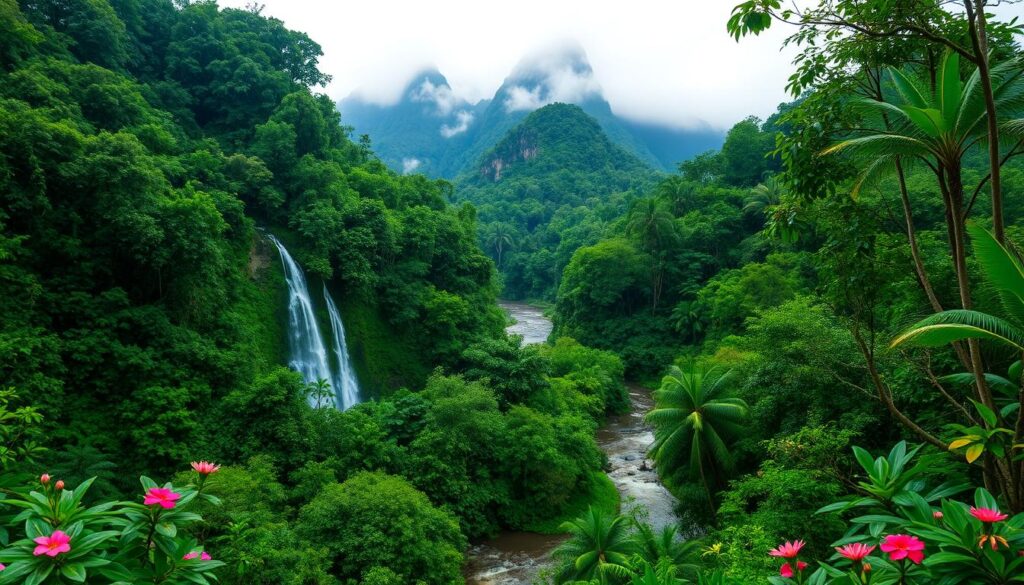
[518, 558]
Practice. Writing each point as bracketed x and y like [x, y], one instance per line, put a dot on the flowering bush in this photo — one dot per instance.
[908, 533]
[119, 543]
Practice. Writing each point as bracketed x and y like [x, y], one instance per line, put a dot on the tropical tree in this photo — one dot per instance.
[653, 226]
[666, 547]
[998, 429]
[936, 127]
[765, 195]
[678, 193]
[498, 238]
[599, 549]
[694, 418]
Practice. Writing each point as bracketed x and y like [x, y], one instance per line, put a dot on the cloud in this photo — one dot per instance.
[520, 98]
[442, 96]
[556, 73]
[463, 120]
[409, 165]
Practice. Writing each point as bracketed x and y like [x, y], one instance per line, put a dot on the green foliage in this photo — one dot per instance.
[548, 187]
[379, 520]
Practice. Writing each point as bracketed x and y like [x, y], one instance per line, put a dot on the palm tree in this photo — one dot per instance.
[653, 225]
[599, 549]
[694, 417]
[499, 237]
[677, 192]
[764, 196]
[667, 548]
[936, 125]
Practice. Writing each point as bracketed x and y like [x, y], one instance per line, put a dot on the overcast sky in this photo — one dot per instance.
[665, 61]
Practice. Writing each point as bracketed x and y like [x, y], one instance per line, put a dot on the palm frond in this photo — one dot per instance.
[949, 326]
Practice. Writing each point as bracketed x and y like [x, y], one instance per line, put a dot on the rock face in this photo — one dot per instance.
[430, 129]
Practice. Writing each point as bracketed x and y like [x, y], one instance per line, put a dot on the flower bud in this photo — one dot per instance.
[44, 478]
[866, 567]
[59, 485]
[937, 515]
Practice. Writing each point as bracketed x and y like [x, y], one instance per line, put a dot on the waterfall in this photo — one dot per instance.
[309, 355]
[346, 387]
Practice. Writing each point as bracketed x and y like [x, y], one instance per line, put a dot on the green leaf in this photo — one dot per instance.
[1002, 270]
[927, 120]
[949, 326]
[907, 88]
[950, 88]
[74, 571]
[986, 413]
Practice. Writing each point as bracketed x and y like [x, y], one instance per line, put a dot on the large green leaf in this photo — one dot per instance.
[908, 89]
[949, 326]
[950, 88]
[927, 120]
[1002, 270]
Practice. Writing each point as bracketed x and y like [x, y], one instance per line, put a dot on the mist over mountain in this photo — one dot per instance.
[434, 131]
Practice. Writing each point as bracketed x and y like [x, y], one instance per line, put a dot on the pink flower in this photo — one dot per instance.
[194, 555]
[205, 467]
[937, 515]
[856, 551]
[163, 497]
[44, 478]
[787, 570]
[904, 546]
[2, 566]
[788, 550]
[988, 514]
[59, 485]
[52, 545]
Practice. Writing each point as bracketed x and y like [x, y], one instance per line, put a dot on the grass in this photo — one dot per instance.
[600, 493]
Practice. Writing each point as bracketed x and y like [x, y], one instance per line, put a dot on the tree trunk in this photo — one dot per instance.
[977, 28]
[956, 216]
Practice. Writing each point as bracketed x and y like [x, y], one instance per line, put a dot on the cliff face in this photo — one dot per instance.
[525, 149]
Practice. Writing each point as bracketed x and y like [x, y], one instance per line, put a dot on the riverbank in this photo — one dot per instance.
[519, 558]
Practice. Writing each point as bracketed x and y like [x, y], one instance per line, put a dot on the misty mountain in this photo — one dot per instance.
[432, 130]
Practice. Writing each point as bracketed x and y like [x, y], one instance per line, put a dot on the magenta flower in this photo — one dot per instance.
[194, 555]
[162, 497]
[52, 545]
[903, 546]
[787, 550]
[205, 467]
[856, 551]
[786, 571]
[988, 515]
[2, 566]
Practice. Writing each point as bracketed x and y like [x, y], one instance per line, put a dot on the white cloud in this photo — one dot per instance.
[462, 121]
[666, 61]
[441, 96]
[409, 165]
[520, 98]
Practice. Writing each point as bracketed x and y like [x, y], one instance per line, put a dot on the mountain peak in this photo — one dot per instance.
[555, 136]
[560, 73]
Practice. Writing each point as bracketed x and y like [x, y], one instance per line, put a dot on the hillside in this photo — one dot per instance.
[548, 186]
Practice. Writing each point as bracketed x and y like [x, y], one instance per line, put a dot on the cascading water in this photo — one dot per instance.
[346, 386]
[309, 355]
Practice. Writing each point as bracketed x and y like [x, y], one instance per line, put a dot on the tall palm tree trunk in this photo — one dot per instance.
[979, 41]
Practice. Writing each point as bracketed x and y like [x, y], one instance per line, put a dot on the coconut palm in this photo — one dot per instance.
[499, 237]
[936, 125]
[599, 549]
[677, 193]
[694, 418]
[936, 128]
